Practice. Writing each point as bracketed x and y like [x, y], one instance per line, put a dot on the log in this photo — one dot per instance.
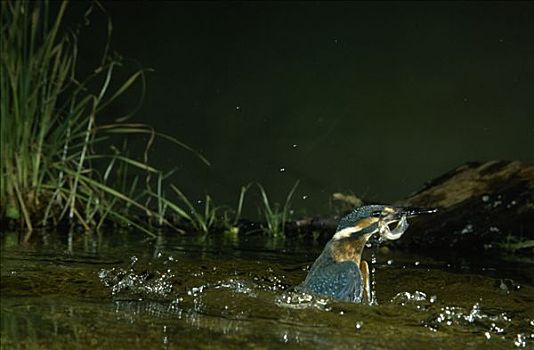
[483, 207]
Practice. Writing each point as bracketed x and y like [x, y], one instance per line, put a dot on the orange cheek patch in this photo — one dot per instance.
[363, 223]
[389, 210]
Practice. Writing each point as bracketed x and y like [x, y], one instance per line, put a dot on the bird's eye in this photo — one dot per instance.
[376, 214]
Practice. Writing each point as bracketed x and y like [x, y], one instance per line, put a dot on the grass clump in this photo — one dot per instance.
[50, 130]
[59, 162]
[274, 216]
[209, 216]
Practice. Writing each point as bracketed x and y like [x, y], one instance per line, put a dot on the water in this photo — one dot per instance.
[121, 290]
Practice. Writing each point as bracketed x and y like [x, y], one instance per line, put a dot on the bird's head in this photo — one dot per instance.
[365, 220]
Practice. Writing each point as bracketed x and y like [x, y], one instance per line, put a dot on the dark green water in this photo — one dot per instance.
[120, 291]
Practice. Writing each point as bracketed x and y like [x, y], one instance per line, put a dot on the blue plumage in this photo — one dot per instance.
[358, 214]
[338, 280]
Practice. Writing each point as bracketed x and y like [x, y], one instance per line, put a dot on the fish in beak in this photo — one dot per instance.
[399, 215]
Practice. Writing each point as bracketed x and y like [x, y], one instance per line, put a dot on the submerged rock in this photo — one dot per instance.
[482, 207]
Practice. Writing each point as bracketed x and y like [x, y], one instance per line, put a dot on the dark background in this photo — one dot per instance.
[370, 97]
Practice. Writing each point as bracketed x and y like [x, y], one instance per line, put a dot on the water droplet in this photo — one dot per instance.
[416, 263]
[390, 262]
[359, 325]
[304, 197]
[467, 229]
[520, 341]
[295, 145]
[237, 108]
[282, 170]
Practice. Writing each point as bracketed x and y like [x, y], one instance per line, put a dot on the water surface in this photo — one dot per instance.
[123, 290]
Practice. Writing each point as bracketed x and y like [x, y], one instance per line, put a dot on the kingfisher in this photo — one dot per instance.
[339, 272]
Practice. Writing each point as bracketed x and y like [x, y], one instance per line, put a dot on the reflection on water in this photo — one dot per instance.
[119, 291]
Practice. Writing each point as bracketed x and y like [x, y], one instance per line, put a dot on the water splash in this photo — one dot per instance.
[404, 298]
[474, 320]
[167, 279]
[458, 316]
[237, 286]
[137, 284]
[372, 277]
[301, 300]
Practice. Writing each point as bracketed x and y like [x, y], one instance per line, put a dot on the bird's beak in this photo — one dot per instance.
[399, 212]
[411, 212]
